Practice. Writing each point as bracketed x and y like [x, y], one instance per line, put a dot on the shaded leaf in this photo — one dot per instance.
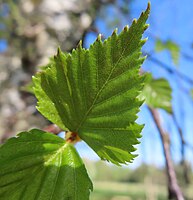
[40, 165]
[94, 92]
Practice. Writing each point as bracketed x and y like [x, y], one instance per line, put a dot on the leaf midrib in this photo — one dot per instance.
[99, 92]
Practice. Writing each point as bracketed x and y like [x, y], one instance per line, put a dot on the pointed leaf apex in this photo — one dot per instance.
[146, 26]
[144, 41]
[99, 37]
[59, 51]
[148, 6]
[126, 28]
[115, 32]
[135, 21]
[79, 44]
[147, 11]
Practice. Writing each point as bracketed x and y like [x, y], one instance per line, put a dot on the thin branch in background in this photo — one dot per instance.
[184, 54]
[52, 128]
[174, 191]
[183, 144]
[169, 69]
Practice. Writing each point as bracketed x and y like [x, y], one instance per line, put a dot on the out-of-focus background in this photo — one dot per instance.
[31, 31]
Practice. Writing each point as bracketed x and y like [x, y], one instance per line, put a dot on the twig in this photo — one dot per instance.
[169, 69]
[154, 38]
[183, 144]
[173, 187]
[52, 128]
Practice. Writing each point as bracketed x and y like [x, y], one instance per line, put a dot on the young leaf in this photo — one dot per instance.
[173, 48]
[157, 94]
[94, 92]
[40, 165]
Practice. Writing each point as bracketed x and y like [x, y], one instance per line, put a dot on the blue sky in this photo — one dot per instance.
[3, 45]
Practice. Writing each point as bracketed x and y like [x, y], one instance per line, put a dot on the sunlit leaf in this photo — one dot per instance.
[94, 92]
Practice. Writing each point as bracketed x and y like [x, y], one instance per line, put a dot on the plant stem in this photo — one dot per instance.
[174, 191]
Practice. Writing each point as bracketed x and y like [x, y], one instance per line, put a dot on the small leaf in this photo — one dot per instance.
[159, 45]
[157, 93]
[40, 165]
[94, 92]
[173, 48]
[191, 93]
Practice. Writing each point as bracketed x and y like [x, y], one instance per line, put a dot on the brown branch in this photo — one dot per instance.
[174, 191]
[183, 144]
[183, 141]
[52, 128]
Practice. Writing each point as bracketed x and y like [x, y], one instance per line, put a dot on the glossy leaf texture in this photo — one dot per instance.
[94, 92]
[157, 93]
[40, 165]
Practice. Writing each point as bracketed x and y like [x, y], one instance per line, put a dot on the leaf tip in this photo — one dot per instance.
[148, 6]
[33, 77]
[115, 32]
[58, 51]
[146, 26]
[55, 56]
[135, 21]
[144, 41]
[79, 46]
[99, 38]
[147, 11]
[126, 28]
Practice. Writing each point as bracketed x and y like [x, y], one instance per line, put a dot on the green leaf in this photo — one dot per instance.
[159, 45]
[157, 93]
[94, 92]
[40, 165]
[191, 93]
[173, 48]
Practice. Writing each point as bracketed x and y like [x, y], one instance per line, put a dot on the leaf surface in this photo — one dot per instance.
[157, 94]
[94, 92]
[40, 165]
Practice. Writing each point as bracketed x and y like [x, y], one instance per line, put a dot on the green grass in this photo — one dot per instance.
[127, 191]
